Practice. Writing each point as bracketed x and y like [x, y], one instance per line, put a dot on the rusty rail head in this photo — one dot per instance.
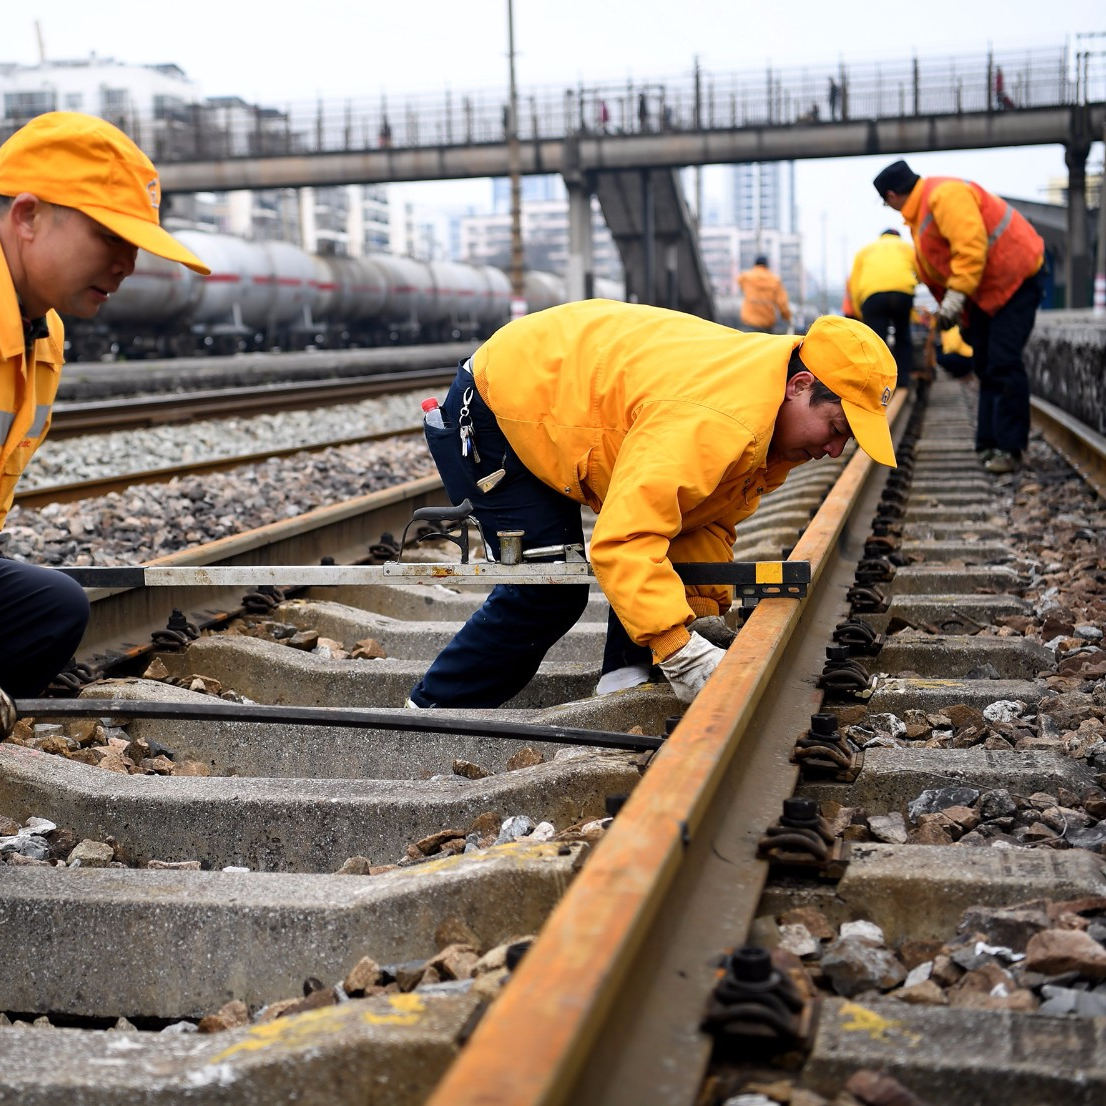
[563, 990]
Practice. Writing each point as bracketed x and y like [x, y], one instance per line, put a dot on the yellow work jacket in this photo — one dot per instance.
[971, 241]
[764, 295]
[657, 420]
[885, 265]
[27, 388]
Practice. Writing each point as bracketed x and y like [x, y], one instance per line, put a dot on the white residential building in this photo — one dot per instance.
[486, 239]
[164, 111]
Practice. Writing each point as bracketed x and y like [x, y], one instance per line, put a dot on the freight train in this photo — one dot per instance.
[273, 295]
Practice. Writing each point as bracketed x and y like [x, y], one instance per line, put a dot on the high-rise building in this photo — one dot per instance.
[757, 196]
[532, 189]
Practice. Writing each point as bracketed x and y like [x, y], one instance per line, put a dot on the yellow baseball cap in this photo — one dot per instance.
[852, 361]
[83, 162]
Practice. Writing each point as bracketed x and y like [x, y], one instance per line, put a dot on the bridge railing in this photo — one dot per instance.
[701, 100]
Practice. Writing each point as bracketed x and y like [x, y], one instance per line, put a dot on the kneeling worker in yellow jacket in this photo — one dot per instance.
[671, 428]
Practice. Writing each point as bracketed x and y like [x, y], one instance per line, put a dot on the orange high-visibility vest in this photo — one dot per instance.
[1012, 251]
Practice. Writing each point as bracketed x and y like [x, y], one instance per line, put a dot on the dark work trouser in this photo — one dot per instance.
[998, 346]
[43, 615]
[498, 651]
[883, 310]
[955, 364]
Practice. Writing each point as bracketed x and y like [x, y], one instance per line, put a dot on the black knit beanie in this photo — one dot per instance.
[897, 177]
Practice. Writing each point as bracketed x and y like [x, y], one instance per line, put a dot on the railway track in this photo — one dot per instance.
[574, 963]
[37, 497]
[74, 418]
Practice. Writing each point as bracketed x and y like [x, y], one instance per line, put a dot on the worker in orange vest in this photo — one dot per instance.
[984, 263]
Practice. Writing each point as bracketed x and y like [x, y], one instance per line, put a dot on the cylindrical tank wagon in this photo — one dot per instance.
[274, 295]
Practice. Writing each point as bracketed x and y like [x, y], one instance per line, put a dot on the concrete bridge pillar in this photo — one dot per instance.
[1078, 267]
[648, 292]
[580, 269]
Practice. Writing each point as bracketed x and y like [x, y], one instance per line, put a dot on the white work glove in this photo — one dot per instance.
[621, 679]
[689, 668]
[952, 307]
[715, 629]
[790, 328]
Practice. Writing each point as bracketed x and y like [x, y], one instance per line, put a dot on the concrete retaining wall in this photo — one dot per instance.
[1066, 362]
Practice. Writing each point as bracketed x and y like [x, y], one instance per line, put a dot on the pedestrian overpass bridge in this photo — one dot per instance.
[625, 142]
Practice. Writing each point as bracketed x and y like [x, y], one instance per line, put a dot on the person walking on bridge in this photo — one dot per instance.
[764, 300]
[77, 200]
[670, 428]
[881, 289]
[984, 263]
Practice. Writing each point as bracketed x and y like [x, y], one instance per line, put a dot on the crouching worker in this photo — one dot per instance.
[671, 428]
[77, 200]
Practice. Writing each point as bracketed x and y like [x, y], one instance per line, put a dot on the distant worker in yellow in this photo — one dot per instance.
[881, 288]
[764, 300]
[984, 262]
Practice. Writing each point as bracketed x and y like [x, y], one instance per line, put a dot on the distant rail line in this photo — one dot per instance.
[93, 416]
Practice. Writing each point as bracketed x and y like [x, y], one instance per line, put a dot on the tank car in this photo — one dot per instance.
[409, 295]
[148, 315]
[543, 290]
[274, 295]
[351, 293]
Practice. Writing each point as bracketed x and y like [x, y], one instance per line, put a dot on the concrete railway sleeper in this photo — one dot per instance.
[405, 977]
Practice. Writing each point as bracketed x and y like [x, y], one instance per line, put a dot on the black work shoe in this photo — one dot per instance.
[1001, 462]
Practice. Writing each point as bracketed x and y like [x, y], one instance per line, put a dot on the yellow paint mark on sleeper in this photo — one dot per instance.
[306, 1029]
[877, 1027]
[408, 1009]
[518, 852]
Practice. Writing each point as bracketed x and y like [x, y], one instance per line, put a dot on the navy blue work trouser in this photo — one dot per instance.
[883, 310]
[43, 615]
[498, 651]
[998, 347]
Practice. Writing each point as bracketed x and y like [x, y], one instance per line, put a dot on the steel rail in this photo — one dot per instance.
[1081, 447]
[72, 419]
[568, 992]
[34, 498]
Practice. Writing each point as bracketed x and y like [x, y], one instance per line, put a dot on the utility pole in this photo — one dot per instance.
[1100, 253]
[514, 163]
[825, 277]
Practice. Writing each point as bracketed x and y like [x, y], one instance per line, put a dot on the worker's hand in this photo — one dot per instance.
[713, 627]
[790, 328]
[690, 667]
[952, 307]
[8, 717]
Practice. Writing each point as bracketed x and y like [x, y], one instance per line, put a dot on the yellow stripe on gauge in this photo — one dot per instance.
[769, 572]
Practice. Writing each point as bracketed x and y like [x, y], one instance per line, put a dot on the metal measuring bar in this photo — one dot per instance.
[760, 579]
[422, 721]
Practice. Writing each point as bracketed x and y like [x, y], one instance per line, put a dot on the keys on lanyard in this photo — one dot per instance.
[468, 444]
[464, 423]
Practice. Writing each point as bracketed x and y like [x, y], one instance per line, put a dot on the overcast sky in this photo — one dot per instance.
[281, 51]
